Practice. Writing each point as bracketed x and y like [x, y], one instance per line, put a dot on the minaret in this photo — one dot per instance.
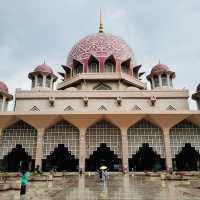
[101, 28]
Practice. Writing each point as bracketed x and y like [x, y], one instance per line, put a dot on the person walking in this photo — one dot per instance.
[24, 175]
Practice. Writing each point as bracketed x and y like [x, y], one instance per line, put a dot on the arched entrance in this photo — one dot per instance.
[146, 147]
[103, 156]
[103, 144]
[188, 159]
[18, 143]
[18, 158]
[146, 159]
[61, 147]
[185, 146]
[61, 159]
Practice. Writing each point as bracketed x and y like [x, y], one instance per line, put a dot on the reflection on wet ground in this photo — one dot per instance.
[118, 187]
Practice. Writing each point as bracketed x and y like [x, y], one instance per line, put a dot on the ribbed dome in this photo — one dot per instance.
[101, 45]
[160, 68]
[3, 87]
[44, 68]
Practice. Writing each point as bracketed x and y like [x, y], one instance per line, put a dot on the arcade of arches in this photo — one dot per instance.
[143, 147]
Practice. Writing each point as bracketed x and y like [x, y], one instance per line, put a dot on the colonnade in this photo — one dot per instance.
[122, 124]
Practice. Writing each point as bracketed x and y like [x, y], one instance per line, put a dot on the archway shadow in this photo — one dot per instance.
[60, 159]
[188, 159]
[103, 156]
[18, 158]
[146, 159]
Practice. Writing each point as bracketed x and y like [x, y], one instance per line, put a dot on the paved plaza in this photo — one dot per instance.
[118, 187]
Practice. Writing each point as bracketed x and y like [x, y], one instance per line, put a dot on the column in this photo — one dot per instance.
[168, 154]
[160, 80]
[153, 84]
[3, 104]
[44, 81]
[125, 166]
[36, 81]
[51, 84]
[82, 149]
[168, 80]
[39, 147]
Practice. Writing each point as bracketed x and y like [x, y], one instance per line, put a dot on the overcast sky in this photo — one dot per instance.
[31, 31]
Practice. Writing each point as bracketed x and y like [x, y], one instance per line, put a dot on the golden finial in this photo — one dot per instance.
[101, 23]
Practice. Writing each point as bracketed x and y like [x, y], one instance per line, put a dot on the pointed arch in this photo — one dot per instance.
[102, 107]
[182, 133]
[93, 65]
[103, 132]
[77, 67]
[102, 86]
[170, 107]
[125, 66]
[69, 108]
[136, 107]
[19, 133]
[35, 108]
[110, 64]
[64, 133]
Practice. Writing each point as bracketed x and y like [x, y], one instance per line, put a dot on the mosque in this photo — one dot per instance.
[100, 113]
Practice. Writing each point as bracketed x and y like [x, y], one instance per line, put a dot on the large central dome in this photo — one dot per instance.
[101, 45]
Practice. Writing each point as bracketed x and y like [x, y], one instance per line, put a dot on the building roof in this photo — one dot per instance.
[160, 69]
[3, 87]
[100, 45]
[44, 68]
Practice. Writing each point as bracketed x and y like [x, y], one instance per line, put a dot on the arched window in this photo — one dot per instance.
[110, 64]
[33, 82]
[48, 81]
[40, 80]
[164, 80]
[93, 65]
[125, 66]
[78, 67]
[156, 81]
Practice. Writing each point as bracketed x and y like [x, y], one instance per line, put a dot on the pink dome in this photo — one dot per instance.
[160, 68]
[44, 69]
[3, 87]
[198, 88]
[100, 45]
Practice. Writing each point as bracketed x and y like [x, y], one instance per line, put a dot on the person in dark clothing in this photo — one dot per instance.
[23, 181]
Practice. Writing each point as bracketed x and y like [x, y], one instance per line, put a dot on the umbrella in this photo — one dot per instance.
[103, 167]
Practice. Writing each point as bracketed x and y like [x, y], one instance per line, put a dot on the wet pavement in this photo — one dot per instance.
[123, 187]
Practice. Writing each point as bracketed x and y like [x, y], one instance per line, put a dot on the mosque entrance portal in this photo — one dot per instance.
[18, 158]
[60, 159]
[188, 159]
[146, 159]
[103, 156]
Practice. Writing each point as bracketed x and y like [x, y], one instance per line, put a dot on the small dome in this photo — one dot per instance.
[3, 87]
[101, 45]
[160, 68]
[198, 88]
[44, 68]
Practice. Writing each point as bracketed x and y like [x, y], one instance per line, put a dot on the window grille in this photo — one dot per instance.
[103, 132]
[61, 133]
[182, 133]
[18, 133]
[145, 132]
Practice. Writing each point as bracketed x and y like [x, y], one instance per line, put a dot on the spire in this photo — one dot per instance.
[159, 61]
[44, 61]
[101, 23]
